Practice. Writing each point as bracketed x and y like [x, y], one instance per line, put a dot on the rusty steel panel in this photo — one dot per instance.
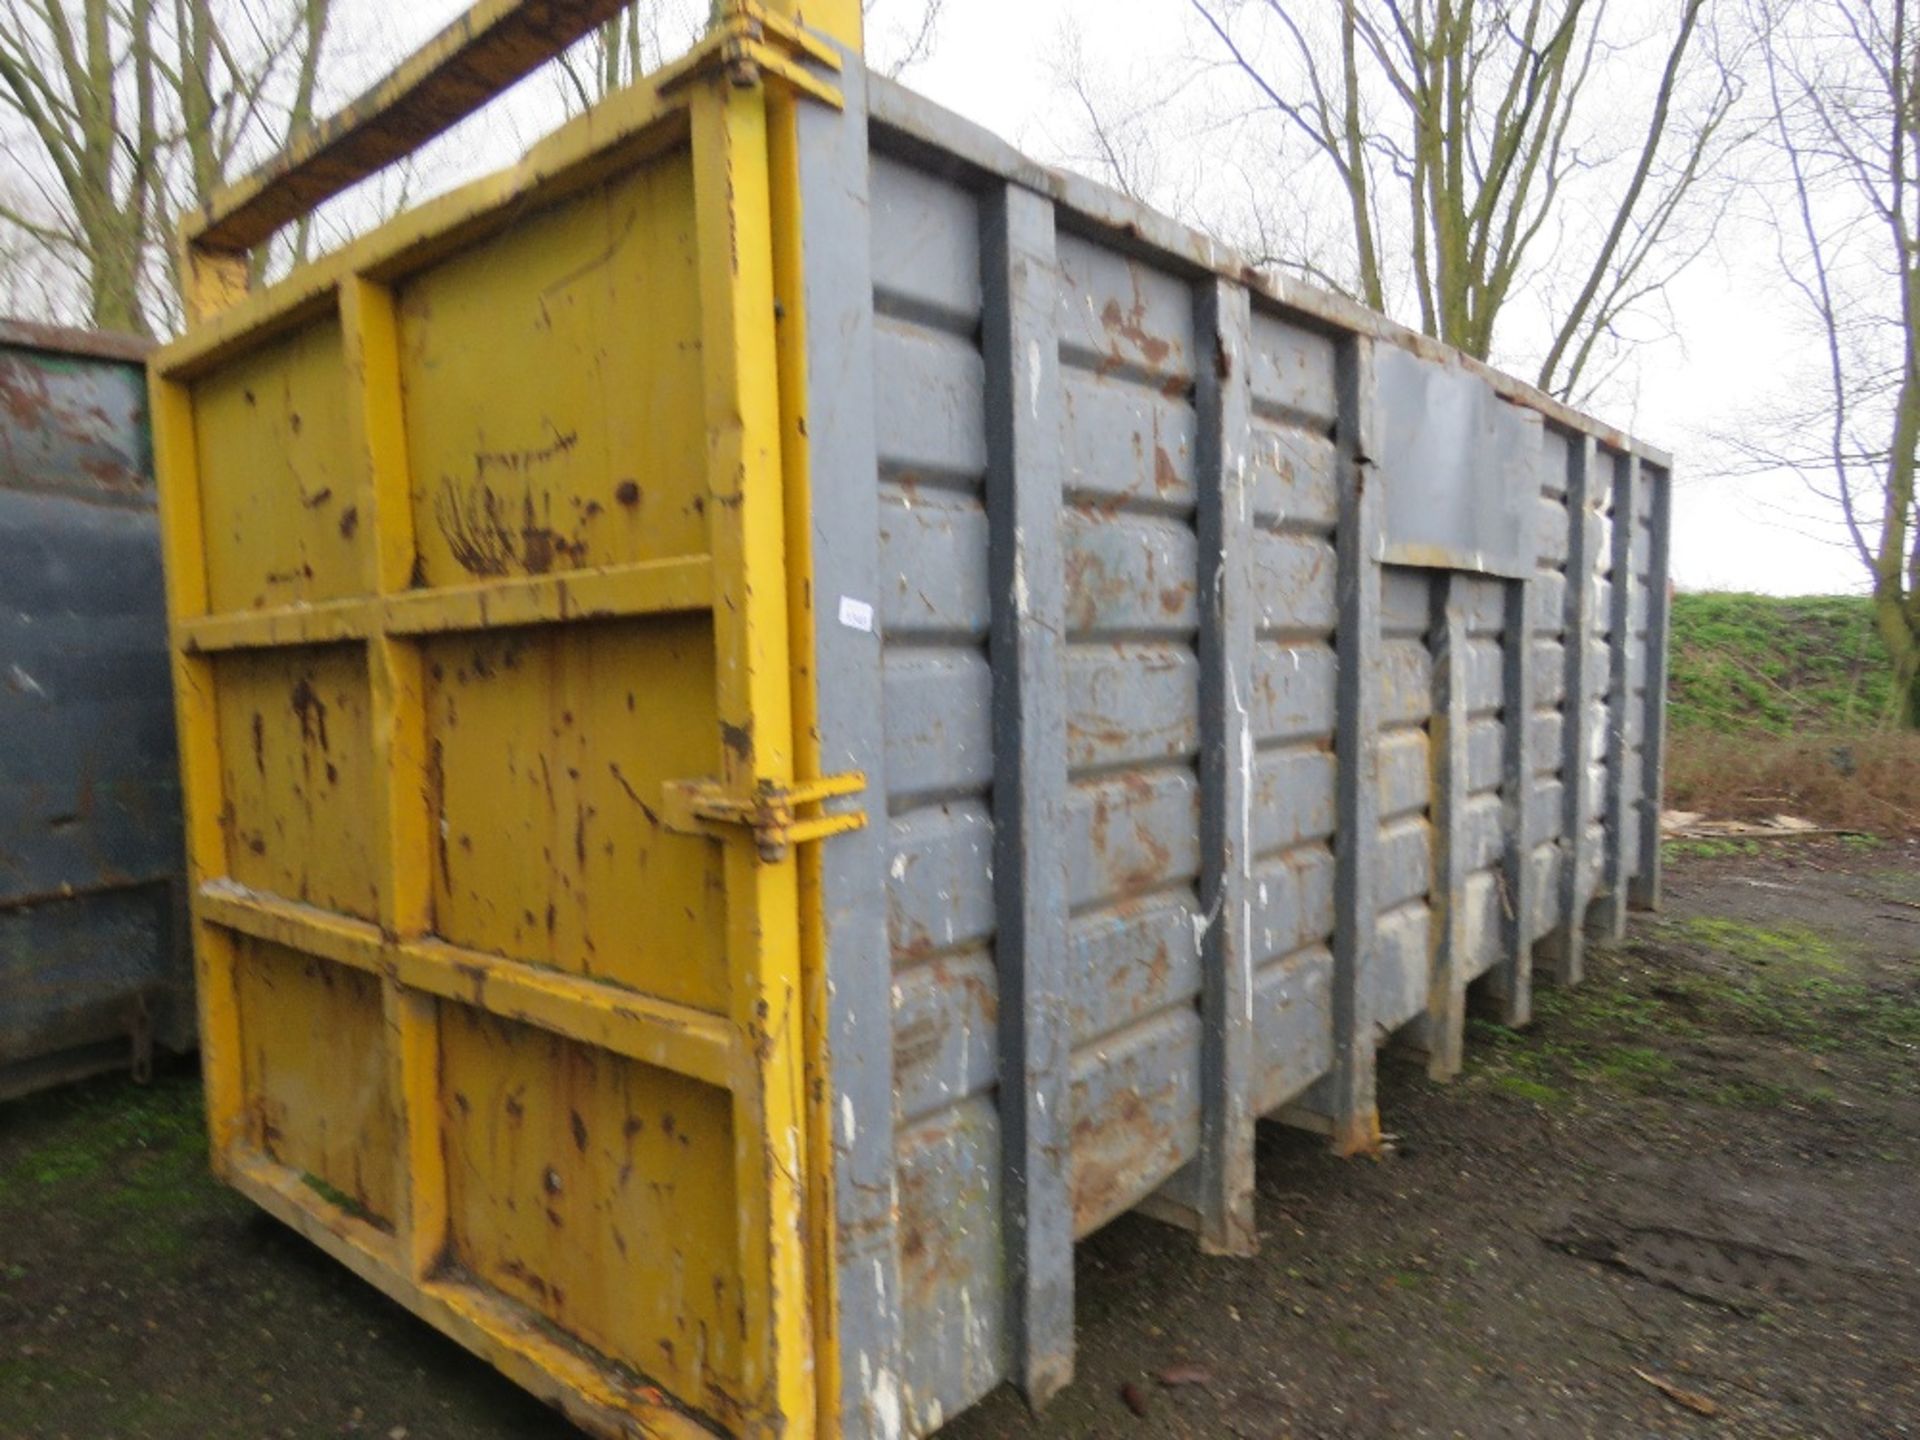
[478, 573]
[93, 969]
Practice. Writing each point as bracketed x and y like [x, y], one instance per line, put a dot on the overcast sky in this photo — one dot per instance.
[996, 62]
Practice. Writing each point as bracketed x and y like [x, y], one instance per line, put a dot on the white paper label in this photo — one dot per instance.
[856, 614]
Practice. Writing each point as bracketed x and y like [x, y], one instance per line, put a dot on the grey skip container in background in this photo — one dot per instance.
[94, 968]
[1249, 678]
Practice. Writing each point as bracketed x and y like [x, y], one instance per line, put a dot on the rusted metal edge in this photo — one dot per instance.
[68, 340]
[27, 900]
[919, 121]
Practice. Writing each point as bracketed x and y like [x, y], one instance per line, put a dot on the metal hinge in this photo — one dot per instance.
[704, 807]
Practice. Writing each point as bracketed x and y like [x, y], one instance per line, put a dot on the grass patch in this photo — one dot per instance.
[1788, 947]
[1776, 665]
[1525, 1087]
[133, 1158]
[84, 1132]
[1783, 704]
[1708, 849]
[1649, 1024]
[1794, 985]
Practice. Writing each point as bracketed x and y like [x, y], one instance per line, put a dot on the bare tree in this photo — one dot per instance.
[640, 38]
[1844, 82]
[125, 112]
[909, 36]
[1478, 150]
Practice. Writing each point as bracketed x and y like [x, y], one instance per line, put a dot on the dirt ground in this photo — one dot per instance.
[1686, 1201]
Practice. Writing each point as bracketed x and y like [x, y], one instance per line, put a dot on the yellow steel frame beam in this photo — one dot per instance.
[673, 1037]
[177, 462]
[748, 538]
[682, 584]
[796, 459]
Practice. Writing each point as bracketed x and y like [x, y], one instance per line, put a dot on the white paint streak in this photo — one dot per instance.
[1245, 853]
[1033, 378]
[848, 1127]
[885, 1389]
[23, 682]
[1021, 600]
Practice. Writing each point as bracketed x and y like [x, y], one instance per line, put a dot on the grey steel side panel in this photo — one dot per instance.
[1471, 835]
[1130, 353]
[1305, 457]
[934, 804]
[90, 838]
[1214, 744]
[846, 541]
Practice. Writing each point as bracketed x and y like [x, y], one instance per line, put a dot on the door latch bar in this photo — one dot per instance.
[771, 812]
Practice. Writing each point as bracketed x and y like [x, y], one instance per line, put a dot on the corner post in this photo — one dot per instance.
[834, 519]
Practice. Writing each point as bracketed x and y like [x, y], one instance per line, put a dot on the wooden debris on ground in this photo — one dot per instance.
[1691, 1399]
[1692, 825]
